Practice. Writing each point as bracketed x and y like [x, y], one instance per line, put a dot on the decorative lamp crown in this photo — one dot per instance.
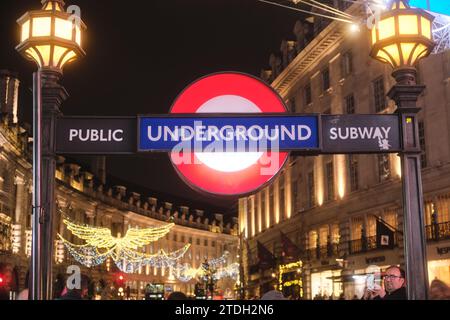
[402, 36]
[51, 37]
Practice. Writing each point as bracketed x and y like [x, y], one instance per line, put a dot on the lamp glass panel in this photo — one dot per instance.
[402, 5]
[420, 51]
[49, 6]
[63, 29]
[33, 54]
[386, 28]
[45, 53]
[374, 35]
[70, 56]
[42, 27]
[426, 27]
[58, 6]
[408, 24]
[78, 35]
[57, 54]
[407, 49]
[394, 53]
[25, 30]
[384, 57]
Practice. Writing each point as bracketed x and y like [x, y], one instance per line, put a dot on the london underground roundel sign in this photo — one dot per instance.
[229, 173]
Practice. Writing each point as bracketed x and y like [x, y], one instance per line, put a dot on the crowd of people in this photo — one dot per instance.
[394, 288]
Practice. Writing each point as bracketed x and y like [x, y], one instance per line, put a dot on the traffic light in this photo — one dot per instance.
[120, 281]
[120, 285]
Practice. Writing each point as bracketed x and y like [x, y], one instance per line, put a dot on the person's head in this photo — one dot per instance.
[177, 296]
[82, 291]
[394, 278]
[273, 295]
[439, 290]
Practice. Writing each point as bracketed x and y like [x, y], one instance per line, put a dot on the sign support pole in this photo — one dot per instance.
[35, 274]
[405, 93]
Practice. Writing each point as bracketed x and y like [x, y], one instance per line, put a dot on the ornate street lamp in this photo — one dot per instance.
[402, 38]
[52, 38]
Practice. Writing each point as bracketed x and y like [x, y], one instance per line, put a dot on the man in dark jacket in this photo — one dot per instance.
[394, 286]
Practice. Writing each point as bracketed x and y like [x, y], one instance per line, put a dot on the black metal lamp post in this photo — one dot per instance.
[52, 38]
[404, 36]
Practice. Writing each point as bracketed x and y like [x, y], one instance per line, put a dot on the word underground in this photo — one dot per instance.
[94, 135]
[229, 133]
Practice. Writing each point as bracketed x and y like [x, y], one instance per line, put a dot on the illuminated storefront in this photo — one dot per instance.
[325, 284]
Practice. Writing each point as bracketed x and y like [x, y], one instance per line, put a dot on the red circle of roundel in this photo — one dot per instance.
[204, 178]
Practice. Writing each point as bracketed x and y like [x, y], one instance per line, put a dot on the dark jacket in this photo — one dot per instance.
[399, 294]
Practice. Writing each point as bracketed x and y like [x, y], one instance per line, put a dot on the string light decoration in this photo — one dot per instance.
[101, 245]
[287, 268]
[186, 273]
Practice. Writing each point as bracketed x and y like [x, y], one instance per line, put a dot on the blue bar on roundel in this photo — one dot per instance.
[228, 133]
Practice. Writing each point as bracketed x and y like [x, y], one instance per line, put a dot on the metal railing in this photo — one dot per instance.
[363, 245]
[438, 231]
[322, 252]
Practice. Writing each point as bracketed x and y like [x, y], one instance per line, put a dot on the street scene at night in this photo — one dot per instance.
[225, 151]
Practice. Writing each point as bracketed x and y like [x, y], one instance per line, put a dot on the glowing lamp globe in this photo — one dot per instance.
[51, 37]
[403, 35]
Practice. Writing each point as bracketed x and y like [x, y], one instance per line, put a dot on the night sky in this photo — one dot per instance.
[142, 54]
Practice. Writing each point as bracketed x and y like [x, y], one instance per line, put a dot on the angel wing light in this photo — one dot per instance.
[100, 244]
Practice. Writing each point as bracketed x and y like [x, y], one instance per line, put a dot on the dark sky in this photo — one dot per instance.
[142, 54]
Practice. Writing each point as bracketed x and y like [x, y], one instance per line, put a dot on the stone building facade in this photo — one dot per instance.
[327, 205]
[87, 199]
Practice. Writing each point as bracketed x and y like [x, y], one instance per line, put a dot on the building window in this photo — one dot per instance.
[423, 154]
[350, 104]
[294, 197]
[282, 198]
[379, 94]
[272, 203]
[384, 167]
[330, 181]
[326, 79]
[175, 238]
[353, 170]
[308, 94]
[311, 190]
[291, 105]
[263, 208]
[183, 239]
[190, 240]
[198, 241]
[213, 244]
[205, 243]
[347, 64]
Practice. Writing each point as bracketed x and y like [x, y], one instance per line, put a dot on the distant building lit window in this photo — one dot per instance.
[326, 79]
[294, 196]
[350, 104]
[308, 94]
[311, 190]
[379, 94]
[353, 170]
[423, 148]
[384, 167]
[347, 64]
[330, 181]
